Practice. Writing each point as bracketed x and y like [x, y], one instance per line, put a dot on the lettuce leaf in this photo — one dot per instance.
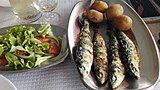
[45, 30]
[1, 49]
[41, 60]
[12, 39]
[37, 50]
[31, 61]
[13, 60]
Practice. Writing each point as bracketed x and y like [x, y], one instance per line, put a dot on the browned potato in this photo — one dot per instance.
[100, 6]
[95, 16]
[122, 22]
[114, 11]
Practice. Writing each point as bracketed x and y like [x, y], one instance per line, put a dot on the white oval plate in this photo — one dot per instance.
[5, 84]
[4, 3]
[149, 65]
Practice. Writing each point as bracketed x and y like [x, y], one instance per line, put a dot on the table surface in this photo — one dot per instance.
[59, 77]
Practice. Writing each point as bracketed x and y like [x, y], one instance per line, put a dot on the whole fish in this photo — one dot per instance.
[130, 55]
[100, 61]
[116, 67]
[84, 52]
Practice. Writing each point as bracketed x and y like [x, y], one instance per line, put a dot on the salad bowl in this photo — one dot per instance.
[51, 60]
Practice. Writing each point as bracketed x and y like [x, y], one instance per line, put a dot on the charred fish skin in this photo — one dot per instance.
[100, 61]
[84, 52]
[116, 67]
[130, 55]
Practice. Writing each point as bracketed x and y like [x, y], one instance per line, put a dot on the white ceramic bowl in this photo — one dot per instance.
[5, 84]
[4, 3]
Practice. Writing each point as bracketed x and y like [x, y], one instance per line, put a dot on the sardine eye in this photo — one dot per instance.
[80, 48]
[82, 67]
[114, 78]
[100, 75]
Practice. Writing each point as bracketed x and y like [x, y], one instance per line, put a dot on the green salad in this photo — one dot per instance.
[24, 47]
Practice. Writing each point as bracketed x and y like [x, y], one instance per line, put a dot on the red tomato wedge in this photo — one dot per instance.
[54, 49]
[3, 61]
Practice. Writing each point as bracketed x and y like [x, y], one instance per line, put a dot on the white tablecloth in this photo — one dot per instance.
[60, 77]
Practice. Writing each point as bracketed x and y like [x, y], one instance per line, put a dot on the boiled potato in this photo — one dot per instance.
[95, 16]
[114, 11]
[122, 22]
[100, 6]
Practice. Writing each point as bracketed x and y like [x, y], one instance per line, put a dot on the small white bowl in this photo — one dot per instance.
[5, 3]
[6, 84]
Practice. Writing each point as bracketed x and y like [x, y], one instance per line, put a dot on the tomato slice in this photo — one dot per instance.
[44, 39]
[54, 49]
[3, 61]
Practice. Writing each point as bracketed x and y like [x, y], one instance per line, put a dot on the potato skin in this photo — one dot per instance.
[114, 11]
[95, 16]
[122, 22]
[100, 6]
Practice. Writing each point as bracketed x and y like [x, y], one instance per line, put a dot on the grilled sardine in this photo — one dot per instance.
[84, 52]
[116, 67]
[130, 55]
[100, 61]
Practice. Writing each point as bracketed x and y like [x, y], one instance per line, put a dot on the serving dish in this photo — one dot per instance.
[5, 84]
[52, 61]
[149, 65]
